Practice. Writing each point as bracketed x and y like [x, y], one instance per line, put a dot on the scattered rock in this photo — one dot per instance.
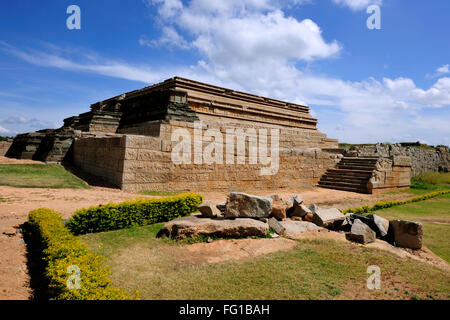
[209, 240]
[278, 208]
[309, 217]
[407, 234]
[194, 226]
[242, 205]
[300, 211]
[313, 208]
[208, 210]
[222, 207]
[376, 223]
[361, 232]
[326, 217]
[297, 200]
[292, 228]
[276, 226]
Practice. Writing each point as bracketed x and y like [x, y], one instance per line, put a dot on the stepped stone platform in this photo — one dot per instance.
[368, 174]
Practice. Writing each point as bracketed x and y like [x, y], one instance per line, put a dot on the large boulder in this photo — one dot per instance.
[407, 234]
[291, 227]
[278, 208]
[378, 224]
[209, 210]
[222, 207]
[299, 211]
[242, 205]
[361, 232]
[326, 217]
[194, 226]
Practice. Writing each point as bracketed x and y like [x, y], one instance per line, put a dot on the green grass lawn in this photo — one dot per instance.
[39, 176]
[435, 217]
[314, 269]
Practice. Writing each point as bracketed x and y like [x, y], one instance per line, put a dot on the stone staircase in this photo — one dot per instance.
[351, 174]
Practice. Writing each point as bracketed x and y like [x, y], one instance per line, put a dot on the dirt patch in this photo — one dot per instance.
[228, 250]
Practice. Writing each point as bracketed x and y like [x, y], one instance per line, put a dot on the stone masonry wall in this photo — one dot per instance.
[423, 159]
[101, 156]
[136, 163]
[4, 146]
[391, 173]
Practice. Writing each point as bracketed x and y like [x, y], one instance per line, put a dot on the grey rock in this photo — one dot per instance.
[382, 224]
[313, 207]
[222, 207]
[208, 210]
[300, 211]
[326, 217]
[407, 234]
[293, 228]
[276, 226]
[194, 226]
[361, 233]
[297, 200]
[242, 205]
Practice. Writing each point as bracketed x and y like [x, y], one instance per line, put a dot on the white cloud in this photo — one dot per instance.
[76, 60]
[444, 69]
[4, 130]
[356, 5]
[169, 38]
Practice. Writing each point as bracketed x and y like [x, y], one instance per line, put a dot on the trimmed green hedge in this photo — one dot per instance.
[59, 249]
[387, 204]
[133, 212]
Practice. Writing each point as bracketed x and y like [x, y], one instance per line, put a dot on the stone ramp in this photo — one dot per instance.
[351, 174]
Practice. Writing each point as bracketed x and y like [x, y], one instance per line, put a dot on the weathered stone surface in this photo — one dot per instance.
[278, 208]
[300, 211]
[297, 200]
[407, 234]
[382, 224]
[209, 210]
[309, 217]
[242, 205]
[292, 228]
[222, 207]
[276, 226]
[361, 233]
[326, 217]
[194, 226]
[376, 223]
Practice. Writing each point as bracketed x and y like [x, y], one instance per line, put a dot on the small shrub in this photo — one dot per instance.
[133, 212]
[59, 249]
[388, 204]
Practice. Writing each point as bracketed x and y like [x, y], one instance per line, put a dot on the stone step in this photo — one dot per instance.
[351, 189]
[359, 168]
[363, 173]
[344, 178]
[356, 184]
[358, 162]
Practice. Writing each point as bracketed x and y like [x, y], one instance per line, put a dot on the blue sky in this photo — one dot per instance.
[363, 85]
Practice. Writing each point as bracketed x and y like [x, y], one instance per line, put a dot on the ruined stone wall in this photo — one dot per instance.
[4, 146]
[391, 173]
[423, 159]
[136, 163]
[101, 156]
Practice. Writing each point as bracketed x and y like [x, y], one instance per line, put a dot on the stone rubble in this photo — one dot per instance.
[244, 215]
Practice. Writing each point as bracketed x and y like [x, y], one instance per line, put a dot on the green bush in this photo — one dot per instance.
[387, 204]
[133, 212]
[59, 250]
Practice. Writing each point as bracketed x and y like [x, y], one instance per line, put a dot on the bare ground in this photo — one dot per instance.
[15, 203]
